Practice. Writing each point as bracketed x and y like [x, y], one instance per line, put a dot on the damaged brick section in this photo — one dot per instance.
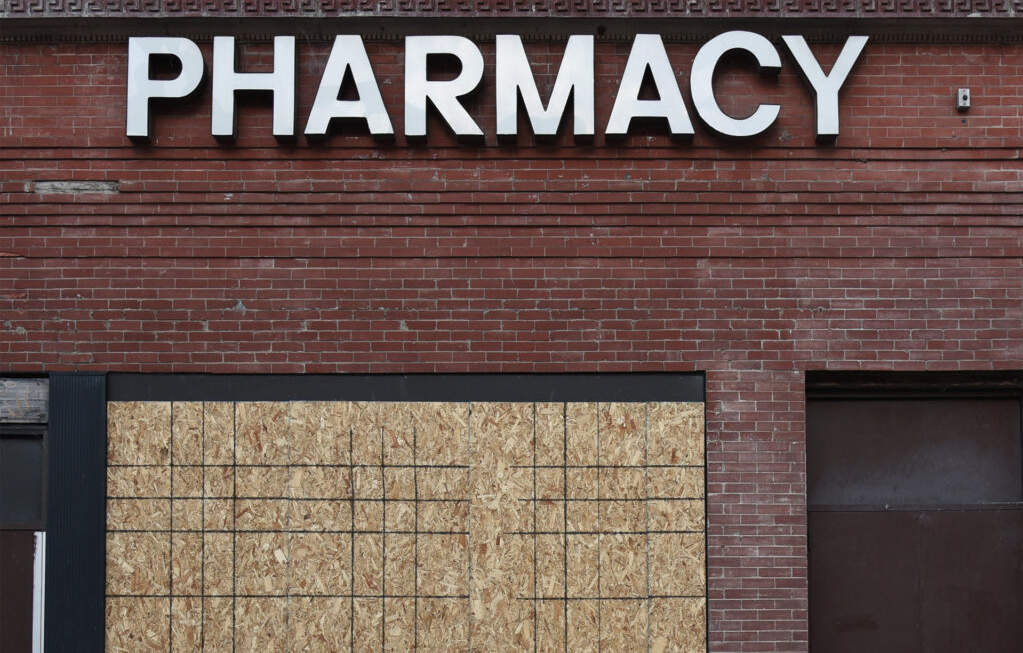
[72, 187]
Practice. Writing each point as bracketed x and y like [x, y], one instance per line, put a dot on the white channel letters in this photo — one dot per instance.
[513, 81]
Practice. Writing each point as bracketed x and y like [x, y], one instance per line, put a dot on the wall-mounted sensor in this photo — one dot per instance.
[963, 99]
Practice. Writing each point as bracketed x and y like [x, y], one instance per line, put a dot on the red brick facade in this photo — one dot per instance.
[897, 248]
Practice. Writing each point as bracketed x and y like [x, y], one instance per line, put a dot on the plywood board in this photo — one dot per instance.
[401, 526]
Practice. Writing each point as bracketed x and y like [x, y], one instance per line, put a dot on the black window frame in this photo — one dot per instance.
[34, 431]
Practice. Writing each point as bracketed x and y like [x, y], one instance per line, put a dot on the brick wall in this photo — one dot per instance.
[896, 248]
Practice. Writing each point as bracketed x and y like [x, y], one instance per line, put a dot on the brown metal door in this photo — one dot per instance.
[915, 525]
[22, 458]
[17, 553]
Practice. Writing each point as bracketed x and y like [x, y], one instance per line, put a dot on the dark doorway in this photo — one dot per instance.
[22, 497]
[915, 499]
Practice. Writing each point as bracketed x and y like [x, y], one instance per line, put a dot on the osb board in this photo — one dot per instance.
[325, 526]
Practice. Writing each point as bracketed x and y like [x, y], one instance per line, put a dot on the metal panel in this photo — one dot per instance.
[913, 451]
[862, 585]
[971, 580]
[76, 513]
[408, 387]
[915, 524]
[927, 581]
[17, 549]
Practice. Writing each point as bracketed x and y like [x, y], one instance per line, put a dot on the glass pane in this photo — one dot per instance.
[21, 480]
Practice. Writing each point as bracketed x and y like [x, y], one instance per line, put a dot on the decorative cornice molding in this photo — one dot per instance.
[905, 21]
[78, 9]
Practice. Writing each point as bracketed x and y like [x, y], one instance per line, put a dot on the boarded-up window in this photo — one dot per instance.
[471, 524]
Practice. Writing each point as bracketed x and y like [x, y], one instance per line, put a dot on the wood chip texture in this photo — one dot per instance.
[403, 526]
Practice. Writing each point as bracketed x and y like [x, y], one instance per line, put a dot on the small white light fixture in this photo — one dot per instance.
[963, 99]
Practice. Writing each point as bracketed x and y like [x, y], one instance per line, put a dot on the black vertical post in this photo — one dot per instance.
[76, 514]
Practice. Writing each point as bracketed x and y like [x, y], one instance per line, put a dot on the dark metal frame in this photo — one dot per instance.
[928, 386]
[76, 514]
[407, 387]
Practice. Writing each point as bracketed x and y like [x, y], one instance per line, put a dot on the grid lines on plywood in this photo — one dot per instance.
[389, 526]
